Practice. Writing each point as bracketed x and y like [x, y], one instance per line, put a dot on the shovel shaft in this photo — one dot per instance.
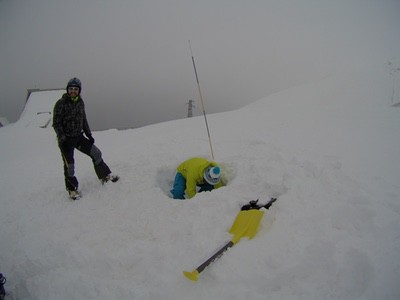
[268, 205]
[214, 257]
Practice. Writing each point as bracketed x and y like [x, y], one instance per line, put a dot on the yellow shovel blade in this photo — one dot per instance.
[194, 275]
[246, 224]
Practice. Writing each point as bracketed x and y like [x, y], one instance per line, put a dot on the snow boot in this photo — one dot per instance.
[74, 194]
[109, 177]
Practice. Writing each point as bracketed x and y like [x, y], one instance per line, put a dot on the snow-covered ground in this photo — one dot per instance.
[328, 149]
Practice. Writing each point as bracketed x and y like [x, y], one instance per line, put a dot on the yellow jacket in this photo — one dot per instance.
[193, 171]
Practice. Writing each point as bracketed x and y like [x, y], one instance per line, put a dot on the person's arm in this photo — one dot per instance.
[57, 122]
[86, 128]
[190, 186]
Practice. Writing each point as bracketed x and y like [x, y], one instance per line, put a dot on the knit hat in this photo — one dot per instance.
[74, 82]
[212, 175]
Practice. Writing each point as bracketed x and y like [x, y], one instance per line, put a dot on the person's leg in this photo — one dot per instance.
[179, 187]
[100, 167]
[67, 153]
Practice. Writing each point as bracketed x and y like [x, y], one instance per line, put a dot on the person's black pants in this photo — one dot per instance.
[83, 145]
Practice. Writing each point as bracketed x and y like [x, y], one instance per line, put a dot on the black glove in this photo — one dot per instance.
[91, 139]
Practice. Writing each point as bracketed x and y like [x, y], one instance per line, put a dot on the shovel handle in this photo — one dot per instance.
[214, 257]
[253, 204]
[268, 205]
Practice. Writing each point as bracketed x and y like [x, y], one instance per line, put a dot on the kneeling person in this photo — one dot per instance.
[193, 173]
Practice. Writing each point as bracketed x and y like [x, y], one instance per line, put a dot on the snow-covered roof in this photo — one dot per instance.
[39, 107]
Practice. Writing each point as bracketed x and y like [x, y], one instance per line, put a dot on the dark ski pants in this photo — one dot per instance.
[83, 145]
[179, 187]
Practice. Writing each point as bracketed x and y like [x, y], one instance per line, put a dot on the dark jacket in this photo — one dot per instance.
[69, 118]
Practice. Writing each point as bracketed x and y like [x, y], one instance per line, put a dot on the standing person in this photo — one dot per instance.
[70, 123]
[193, 173]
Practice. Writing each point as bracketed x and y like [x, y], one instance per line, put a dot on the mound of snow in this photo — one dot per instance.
[328, 150]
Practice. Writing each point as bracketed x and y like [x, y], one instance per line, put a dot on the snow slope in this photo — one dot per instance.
[328, 150]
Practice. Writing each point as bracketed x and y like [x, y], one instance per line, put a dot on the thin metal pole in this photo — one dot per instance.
[201, 100]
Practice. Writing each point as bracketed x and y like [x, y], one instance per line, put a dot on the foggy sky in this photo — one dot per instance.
[135, 64]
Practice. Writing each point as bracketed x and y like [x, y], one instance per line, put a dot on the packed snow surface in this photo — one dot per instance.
[329, 150]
